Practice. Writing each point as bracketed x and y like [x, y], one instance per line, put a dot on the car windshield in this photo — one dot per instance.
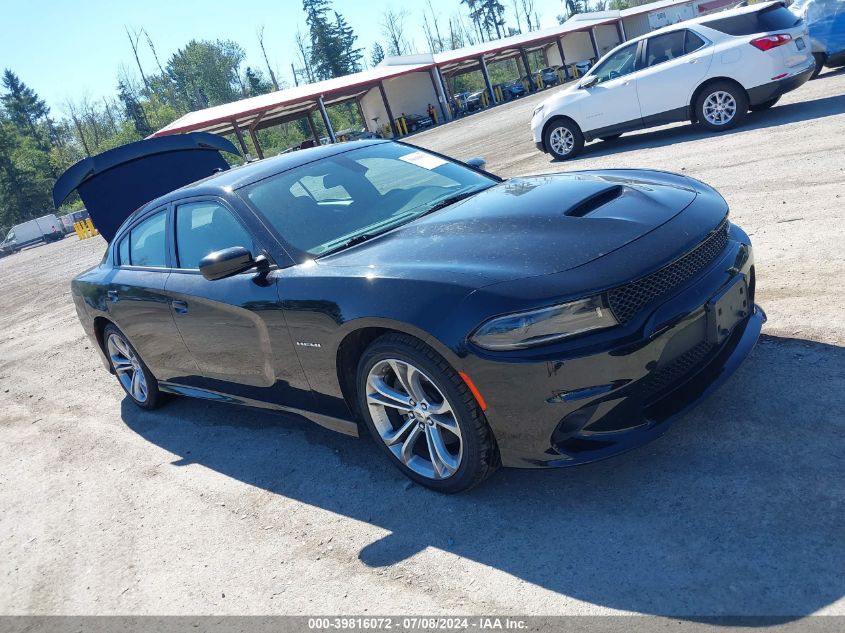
[338, 201]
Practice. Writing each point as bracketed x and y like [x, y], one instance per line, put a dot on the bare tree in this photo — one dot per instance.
[155, 54]
[77, 123]
[527, 10]
[393, 28]
[436, 26]
[133, 42]
[516, 13]
[266, 59]
[304, 51]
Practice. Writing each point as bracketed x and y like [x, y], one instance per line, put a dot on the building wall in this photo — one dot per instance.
[577, 47]
[606, 37]
[636, 25]
[409, 93]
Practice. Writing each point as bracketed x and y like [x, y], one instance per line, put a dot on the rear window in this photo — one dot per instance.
[773, 18]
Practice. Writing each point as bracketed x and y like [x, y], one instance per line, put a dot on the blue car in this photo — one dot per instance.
[826, 21]
[513, 90]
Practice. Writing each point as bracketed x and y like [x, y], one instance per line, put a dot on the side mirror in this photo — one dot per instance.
[477, 162]
[588, 81]
[225, 263]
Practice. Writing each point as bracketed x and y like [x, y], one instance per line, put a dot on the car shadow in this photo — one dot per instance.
[778, 115]
[738, 510]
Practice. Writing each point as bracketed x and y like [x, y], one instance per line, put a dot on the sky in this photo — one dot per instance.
[67, 49]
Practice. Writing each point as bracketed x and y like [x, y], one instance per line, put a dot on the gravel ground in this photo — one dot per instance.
[209, 508]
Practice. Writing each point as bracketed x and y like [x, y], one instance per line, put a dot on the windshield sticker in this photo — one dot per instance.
[424, 160]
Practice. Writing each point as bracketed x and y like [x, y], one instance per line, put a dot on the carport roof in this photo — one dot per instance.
[284, 103]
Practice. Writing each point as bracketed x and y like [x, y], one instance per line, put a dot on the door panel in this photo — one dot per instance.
[233, 327]
[140, 307]
[671, 74]
[612, 99]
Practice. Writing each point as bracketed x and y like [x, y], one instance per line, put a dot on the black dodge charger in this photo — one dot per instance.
[467, 321]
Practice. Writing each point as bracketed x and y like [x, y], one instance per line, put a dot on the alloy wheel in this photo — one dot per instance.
[414, 419]
[561, 140]
[719, 108]
[128, 368]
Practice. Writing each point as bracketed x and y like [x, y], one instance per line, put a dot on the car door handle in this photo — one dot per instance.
[694, 60]
[180, 307]
[113, 296]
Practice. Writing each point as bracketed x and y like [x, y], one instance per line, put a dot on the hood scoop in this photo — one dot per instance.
[595, 201]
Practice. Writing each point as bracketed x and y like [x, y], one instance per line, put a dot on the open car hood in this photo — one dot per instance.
[117, 182]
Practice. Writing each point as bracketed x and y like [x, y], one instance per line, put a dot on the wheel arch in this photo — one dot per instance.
[553, 119]
[360, 336]
[702, 86]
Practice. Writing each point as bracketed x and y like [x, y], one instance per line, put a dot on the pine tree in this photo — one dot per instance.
[376, 54]
[332, 51]
[133, 109]
[25, 109]
[351, 60]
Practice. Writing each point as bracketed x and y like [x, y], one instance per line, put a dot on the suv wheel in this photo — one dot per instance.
[721, 106]
[563, 139]
[423, 416]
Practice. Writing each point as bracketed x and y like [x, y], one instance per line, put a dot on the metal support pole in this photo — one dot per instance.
[241, 140]
[326, 120]
[620, 31]
[313, 128]
[487, 79]
[562, 58]
[255, 143]
[388, 110]
[532, 86]
[594, 42]
[434, 73]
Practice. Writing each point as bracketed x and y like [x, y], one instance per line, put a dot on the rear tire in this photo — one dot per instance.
[765, 105]
[820, 60]
[423, 416]
[563, 139]
[132, 373]
[721, 106]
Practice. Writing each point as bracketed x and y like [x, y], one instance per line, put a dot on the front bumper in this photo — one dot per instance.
[574, 409]
[775, 89]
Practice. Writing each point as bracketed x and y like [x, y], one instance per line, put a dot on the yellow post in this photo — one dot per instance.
[78, 230]
[436, 120]
[91, 227]
[539, 80]
[575, 72]
[499, 94]
[525, 84]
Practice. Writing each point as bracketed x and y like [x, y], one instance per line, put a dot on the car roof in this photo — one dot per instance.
[751, 8]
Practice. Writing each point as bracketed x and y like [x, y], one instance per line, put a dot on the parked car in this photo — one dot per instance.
[826, 22]
[469, 101]
[46, 229]
[710, 70]
[549, 77]
[513, 89]
[416, 122]
[463, 320]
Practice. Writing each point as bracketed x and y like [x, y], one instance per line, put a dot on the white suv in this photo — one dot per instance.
[710, 70]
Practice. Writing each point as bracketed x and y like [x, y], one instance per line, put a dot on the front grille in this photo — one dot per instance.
[661, 380]
[629, 299]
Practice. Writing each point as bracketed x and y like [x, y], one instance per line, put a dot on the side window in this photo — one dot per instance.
[147, 242]
[205, 227]
[693, 42]
[123, 252]
[662, 48]
[620, 63]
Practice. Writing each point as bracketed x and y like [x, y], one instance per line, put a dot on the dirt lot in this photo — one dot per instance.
[206, 508]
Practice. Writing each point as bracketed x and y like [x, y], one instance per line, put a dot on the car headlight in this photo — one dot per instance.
[535, 327]
[538, 110]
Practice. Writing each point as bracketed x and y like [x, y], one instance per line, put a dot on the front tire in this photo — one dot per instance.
[765, 105]
[563, 139]
[132, 373]
[721, 106]
[423, 416]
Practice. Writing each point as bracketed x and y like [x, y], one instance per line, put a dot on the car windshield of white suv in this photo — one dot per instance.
[618, 64]
[347, 198]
